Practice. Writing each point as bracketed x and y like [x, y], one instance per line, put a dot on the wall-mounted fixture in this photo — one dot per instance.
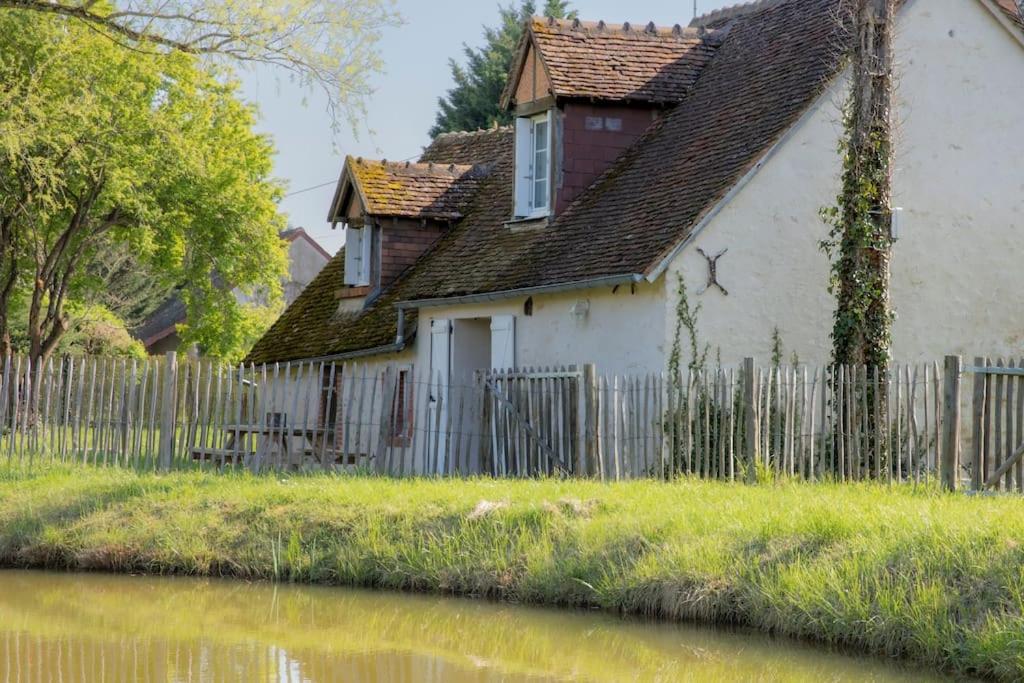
[580, 310]
[896, 227]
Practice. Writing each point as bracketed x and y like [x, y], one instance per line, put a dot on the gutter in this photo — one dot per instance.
[607, 280]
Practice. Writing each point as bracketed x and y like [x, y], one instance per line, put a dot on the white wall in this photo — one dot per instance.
[623, 332]
[304, 262]
[956, 270]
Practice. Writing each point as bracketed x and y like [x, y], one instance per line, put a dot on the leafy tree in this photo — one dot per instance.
[330, 44]
[473, 102]
[125, 284]
[100, 145]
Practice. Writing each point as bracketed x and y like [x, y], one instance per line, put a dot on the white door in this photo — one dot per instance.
[438, 381]
[503, 342]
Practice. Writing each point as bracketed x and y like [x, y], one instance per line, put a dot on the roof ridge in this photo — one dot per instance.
[429, 166]
[649, 29]
[731, 12]
[467, 133]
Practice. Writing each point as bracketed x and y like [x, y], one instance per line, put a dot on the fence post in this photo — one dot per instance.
[751, 439]
[167, 410]
[951, 423]
[586, 411]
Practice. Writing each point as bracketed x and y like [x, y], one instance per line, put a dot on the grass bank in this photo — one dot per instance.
[895, 571]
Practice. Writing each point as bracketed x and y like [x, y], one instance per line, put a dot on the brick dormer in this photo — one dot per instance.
[392, 213]
[584, 92]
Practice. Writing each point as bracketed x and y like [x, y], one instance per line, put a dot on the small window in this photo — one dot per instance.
[533, 165]
[358, 255]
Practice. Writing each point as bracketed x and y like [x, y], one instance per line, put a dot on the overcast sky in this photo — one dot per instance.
[404, 102]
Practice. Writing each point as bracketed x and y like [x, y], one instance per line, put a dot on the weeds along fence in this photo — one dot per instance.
[843, 423]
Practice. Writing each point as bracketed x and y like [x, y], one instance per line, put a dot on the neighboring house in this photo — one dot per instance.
[637, 152]
[306, 258]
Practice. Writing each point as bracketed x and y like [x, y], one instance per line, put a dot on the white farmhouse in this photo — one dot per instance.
[639, 155]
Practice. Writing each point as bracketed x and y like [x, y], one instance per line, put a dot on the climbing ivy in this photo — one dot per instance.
[859, 245]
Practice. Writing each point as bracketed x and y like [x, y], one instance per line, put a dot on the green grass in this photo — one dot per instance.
[896, 571]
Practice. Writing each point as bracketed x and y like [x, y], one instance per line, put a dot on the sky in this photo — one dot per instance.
[403, 104]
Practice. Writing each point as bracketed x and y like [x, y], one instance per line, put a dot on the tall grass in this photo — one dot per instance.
[899, 571]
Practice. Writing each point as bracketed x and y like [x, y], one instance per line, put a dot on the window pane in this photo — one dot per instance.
[540, 136]
[540, 193]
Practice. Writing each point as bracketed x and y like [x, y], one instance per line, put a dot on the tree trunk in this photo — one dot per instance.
[862, 333]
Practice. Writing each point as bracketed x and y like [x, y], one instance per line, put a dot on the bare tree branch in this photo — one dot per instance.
[329, 44]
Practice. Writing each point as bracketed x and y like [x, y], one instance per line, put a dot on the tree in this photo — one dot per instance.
[330, 44]
[473, 102]
[861, 238]
[102, 145]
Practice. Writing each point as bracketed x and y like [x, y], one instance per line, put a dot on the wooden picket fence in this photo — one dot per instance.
[729, 423]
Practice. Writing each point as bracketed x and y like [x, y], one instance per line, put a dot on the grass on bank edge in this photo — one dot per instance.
[897, 571]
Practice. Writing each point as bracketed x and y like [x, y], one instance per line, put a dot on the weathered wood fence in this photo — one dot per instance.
[733, 423]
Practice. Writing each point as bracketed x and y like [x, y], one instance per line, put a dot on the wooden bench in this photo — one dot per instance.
[224, 455]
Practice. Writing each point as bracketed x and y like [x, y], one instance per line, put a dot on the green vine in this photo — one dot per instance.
[686, 320]
[859, 246]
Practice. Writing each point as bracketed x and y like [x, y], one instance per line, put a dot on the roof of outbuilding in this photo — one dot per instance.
[621, 62]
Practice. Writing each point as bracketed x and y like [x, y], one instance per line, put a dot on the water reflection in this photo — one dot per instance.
[59, 627]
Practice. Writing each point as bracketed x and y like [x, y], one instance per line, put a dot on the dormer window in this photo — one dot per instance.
[533, 165]
[358, 255]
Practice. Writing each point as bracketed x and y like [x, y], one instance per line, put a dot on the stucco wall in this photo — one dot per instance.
[623, 331]
[304, 262]
[958, 177]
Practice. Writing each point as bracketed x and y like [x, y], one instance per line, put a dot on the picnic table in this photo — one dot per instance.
[317, 442]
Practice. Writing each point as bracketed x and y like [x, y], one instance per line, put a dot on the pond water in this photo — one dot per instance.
[74, 627]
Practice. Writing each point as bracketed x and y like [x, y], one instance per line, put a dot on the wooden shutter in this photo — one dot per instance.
[353, 254]
[366, 260]
[503, 342]
[523, 166]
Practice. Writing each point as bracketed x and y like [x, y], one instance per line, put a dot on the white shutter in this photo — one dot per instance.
[440, 376]
[366, 260]
[523, 166]
[353, 254]
[503, 342]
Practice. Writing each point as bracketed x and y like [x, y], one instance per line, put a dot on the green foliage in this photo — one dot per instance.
[902, 571]
[92, 330]
[686, 321]
[776, 348]
[327, 44]
[102, 146]
[473, 102]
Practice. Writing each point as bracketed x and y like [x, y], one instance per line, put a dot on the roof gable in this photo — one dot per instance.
[405, 189]
[595, 60]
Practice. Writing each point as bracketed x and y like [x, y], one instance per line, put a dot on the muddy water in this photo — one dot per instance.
[65, 627]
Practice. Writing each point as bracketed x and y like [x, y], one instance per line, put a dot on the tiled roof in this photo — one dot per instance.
[1013, 10]
[641, 63]
[312, 326]
[421, 190]
[773, 64]
[476, 147]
